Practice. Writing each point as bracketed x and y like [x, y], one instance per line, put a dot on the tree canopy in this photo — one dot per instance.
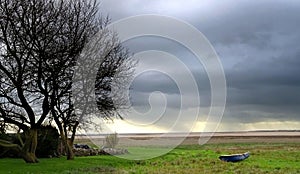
[40, 42]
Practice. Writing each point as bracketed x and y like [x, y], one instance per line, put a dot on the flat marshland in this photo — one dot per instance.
[270, 153]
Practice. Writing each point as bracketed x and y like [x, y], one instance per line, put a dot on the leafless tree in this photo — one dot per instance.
[105, 59]
[40, 43]
[36, 39]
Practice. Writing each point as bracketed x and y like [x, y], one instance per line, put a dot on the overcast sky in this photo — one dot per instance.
[258, 43]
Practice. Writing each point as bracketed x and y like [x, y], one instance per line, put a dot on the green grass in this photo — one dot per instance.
[265, 158]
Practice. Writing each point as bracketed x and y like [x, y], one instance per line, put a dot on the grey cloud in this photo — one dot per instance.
[260, 113]
[258, 45]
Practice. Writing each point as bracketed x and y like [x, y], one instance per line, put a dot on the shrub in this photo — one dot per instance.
[6, 152]
[48, 140]
[111, 140]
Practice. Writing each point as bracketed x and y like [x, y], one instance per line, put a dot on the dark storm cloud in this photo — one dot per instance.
[258, 45]
[261, 113]
[152, 81]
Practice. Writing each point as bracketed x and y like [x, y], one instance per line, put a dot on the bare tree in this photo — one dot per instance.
[36, 38]
[113, 62]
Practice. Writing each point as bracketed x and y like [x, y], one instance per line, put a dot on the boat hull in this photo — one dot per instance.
[235, 157]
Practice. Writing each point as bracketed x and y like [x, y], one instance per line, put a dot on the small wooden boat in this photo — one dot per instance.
[234, 157]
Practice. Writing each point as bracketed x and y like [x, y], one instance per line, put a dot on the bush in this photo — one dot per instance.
[48, 140]
[111, 140]
[5, 152]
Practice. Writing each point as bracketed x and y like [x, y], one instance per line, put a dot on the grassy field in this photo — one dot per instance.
[265, 158]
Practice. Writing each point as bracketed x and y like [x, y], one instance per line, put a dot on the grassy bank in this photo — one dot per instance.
[265, 158]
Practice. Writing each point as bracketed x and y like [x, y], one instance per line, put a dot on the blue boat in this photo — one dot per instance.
[234, 157]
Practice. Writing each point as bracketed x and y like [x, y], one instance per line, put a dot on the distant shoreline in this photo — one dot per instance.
[146, 139]
[265, 133]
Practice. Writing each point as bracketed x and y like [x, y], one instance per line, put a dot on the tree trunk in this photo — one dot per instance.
[69, 148]
[28, 150]
[70, 153]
